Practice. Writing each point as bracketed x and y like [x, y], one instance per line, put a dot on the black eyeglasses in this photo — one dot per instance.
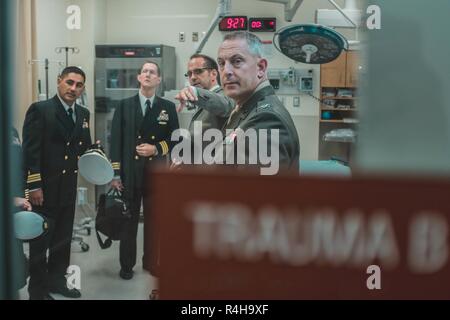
[195, 71]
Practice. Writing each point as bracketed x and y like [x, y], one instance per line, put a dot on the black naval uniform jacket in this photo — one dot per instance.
[19, 188]
[130, 128]
[51, 149]
[265, 111]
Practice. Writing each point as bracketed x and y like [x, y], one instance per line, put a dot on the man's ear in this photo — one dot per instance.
[262, 67]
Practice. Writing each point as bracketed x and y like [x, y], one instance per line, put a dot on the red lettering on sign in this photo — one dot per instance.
[229, 23]
[256, 24]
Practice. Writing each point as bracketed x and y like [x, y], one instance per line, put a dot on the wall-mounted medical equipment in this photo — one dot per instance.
[117, 67]
[291, 81]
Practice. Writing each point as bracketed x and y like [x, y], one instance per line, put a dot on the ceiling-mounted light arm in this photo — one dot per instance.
[289, 12]
[223, 9]
[350, 4]
[343, 13]
[346, 17]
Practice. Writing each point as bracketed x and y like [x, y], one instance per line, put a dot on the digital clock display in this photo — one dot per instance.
[233, 23]
[262, 24]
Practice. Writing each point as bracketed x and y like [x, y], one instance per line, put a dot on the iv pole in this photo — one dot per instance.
[46, 64]
[60, 63]
[66, 49]
[223, 8]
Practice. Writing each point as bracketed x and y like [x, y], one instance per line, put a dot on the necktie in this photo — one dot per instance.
[70, 115]
[148, 106]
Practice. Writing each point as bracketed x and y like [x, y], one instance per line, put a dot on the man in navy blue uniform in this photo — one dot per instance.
[55, 134]
[140, 137]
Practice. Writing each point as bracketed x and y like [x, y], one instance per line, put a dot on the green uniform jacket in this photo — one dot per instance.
[214, 108]
[265, 111]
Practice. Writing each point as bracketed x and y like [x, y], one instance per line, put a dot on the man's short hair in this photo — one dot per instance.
[158, 70]
[209, 63]
[254, 43]
[72, 69]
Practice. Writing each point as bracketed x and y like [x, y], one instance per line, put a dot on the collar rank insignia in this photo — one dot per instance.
[163, 116]
[264, 106]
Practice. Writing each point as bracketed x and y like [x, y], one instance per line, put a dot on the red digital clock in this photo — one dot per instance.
[263, 24]
[233, 23]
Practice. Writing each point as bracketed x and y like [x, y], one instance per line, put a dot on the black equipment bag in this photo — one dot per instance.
[112, 213]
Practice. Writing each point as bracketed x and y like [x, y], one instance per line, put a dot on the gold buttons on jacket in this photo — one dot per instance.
[153, 137]
[75, 171]
[81, 143]
[150, 158]
[68, 143]
[139, 137]
[64, 171]
[66, 157]
[136, 157]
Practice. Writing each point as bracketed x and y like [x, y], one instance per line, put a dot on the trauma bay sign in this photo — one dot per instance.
[246, 237]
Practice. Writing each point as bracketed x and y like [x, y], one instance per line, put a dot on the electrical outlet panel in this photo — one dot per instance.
[181, 37]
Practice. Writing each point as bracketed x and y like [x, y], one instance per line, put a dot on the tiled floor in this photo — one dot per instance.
[100, 273]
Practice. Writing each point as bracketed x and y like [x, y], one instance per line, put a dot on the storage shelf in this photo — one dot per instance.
[337, 109]
[331, 121]
[338, 98]
[339, 121]
[338, 141]
[339, 104]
